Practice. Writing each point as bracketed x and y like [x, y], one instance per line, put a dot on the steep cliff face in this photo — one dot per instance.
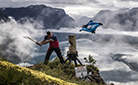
[47, 16]
[123, 19]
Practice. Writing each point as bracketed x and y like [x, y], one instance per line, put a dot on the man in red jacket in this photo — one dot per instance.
[53, 46]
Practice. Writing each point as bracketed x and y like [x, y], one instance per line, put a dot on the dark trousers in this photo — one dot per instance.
[58, 52]
[73, 57]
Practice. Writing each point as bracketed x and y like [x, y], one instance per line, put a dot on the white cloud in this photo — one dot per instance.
[80, 7]
[16, 32]
[82, 10]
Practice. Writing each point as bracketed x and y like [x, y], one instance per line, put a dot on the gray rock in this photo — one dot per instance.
[47, 16]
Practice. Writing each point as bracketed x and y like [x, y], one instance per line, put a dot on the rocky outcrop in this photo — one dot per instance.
[44, 15]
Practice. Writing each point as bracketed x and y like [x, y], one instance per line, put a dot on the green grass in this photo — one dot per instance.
[11, 74]
[52, 74]
[65, 72]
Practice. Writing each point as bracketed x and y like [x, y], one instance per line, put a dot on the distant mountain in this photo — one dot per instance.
[48, 16]
[123, 19]
[3, 17]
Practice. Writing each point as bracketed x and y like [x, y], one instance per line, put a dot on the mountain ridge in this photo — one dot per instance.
[47, 16]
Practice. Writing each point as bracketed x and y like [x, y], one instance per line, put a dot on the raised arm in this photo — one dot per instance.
[44, 42]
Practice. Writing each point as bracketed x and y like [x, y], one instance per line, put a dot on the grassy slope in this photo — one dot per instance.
[66, 72]
[11, 74]
[41, 74]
